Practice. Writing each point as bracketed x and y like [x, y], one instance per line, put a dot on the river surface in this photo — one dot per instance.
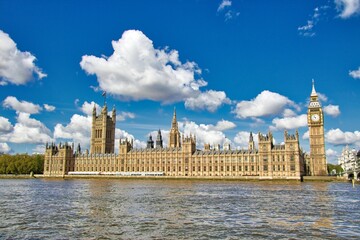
[177, 209]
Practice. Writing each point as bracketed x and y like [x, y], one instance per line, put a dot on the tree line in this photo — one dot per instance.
[21, 164]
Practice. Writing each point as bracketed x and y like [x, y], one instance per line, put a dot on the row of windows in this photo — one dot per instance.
[169, 169]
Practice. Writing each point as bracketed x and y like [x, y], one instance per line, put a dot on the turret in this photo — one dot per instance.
[159, 141]
[174, 136]
[150, 142]
[251, 145]
[114, 114]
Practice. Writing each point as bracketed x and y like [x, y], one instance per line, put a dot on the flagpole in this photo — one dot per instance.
[104, 95]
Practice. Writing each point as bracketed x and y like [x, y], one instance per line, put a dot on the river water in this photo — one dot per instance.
[177, 209]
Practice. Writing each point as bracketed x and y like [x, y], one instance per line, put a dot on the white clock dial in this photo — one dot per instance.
[315, 117]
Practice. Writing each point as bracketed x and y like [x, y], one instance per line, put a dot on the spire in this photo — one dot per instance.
[313, 92]
[94, 109]
[251, 138]
[104, 110]
[159, 141]
[174, 121]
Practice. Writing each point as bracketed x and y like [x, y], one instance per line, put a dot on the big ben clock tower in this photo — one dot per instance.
[315, 120]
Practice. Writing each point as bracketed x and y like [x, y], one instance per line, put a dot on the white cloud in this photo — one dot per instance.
[16, 67]
[204, 133]
[289, 113]
[164, 134]
[242, 139]
[308, 29]
[124, 115]
[137, 71]
[210, 100]
[265, 104]
[87, 108]
[5, 125]
[21, 106]
[230, 15]
[322, 97]
[305, 135]
[39, 149]
[122, 134]
[27, 130]
[224, 125]
[4, 148]
[78, 130]
[338, 137]
[347, 8]
[332, 110]
[355, 73]
[224, 4]
[289, 122]
[331, 155]
[49, 108]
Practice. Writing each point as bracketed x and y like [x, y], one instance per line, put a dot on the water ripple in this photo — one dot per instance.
[149, 209]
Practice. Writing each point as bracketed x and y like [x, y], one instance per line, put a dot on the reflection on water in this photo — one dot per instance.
[175, 209]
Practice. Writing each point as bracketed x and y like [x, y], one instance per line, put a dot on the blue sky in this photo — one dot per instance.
[229, 67]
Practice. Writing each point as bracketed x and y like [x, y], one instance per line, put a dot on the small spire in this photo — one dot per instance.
[313, 92]
[174, 121]
[94, 109]
[251, 138]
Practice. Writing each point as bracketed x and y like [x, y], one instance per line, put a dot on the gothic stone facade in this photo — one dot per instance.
[182, 158]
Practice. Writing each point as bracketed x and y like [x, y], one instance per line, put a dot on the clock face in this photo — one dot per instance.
[315, 117]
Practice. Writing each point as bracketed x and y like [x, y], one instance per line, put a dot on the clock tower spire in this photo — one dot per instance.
[315, 119]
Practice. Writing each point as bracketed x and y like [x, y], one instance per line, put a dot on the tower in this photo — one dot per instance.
[150, 142]
[251, 145]
[315, 118]
[174, 138]
[159, 141]
[103, 131]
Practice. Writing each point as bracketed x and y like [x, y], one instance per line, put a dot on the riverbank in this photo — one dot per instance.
[222, 178]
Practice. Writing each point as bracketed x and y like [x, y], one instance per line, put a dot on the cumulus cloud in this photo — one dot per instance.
[332, 110]
[355, 73]
[124, 115]
[39, 149]
[338, 137]
[49, 108]
[305, 135]
[242, 139]
[164, 134]
[322, 97]
[122, 134]
[27, 130]
[16, 67]
[289, 113]
[331, 155]
[4, 148]
[204, 133]
[224, 125]
[289, 122]
[78, 130]
[210, 100]
[21, 106]
[137, 71]
[347, 8]
[87, 108]
[5, 125]
[265, 104]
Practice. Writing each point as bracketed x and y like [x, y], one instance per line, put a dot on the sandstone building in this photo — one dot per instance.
[181, 158]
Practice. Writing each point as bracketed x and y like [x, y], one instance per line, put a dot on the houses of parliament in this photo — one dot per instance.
[181, 158]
